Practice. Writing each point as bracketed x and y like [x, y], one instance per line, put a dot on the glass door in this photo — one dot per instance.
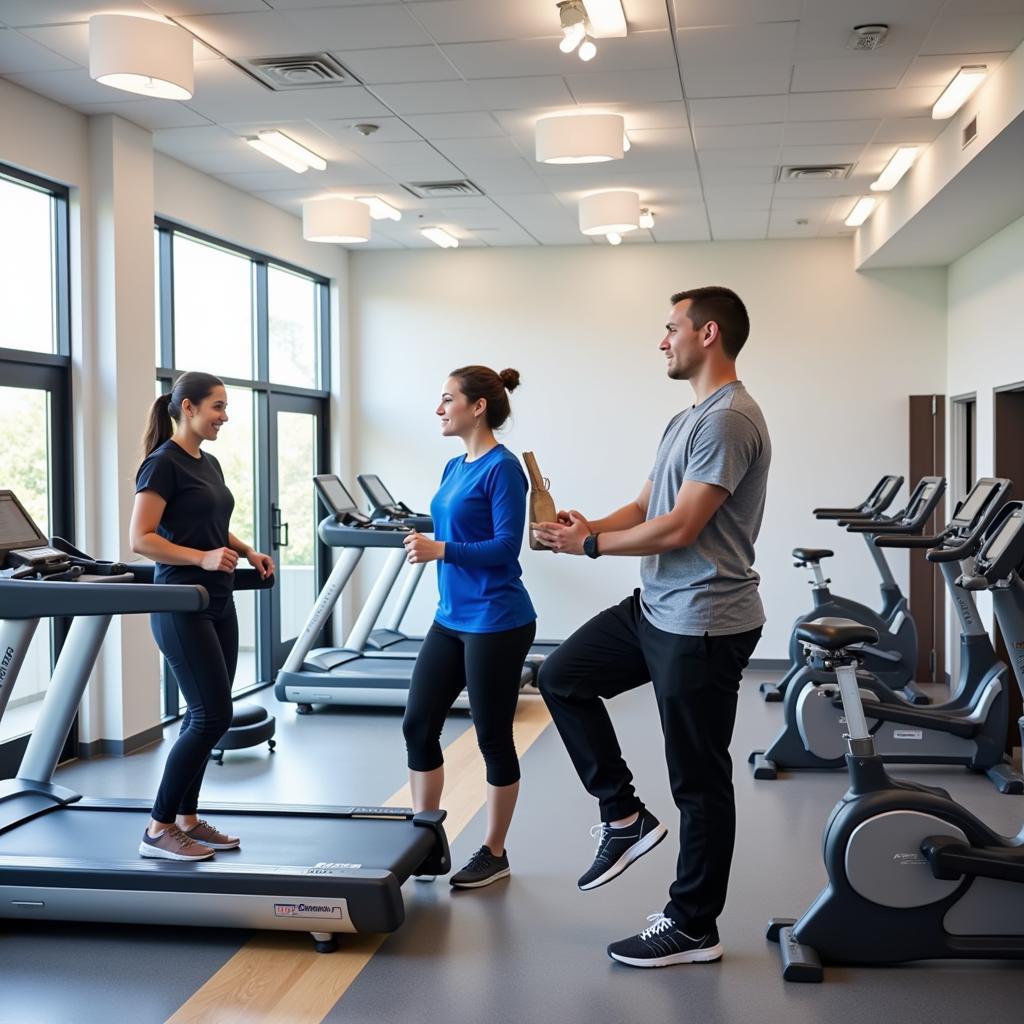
[296, 443]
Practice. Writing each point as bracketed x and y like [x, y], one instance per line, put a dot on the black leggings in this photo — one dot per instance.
[202, 650]
[489, 666]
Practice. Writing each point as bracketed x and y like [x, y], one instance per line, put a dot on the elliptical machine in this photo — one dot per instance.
[969, 729]
[912, 874]
[894, 660]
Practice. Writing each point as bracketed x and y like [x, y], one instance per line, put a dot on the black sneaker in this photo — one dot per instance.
[617, 848]
[482, 869]
[664, 943]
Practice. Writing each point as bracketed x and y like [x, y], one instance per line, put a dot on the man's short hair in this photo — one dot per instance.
[723, 306]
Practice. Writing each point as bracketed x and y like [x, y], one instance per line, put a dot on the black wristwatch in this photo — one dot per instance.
[590, 546]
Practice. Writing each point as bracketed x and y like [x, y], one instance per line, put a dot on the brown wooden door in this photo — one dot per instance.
[927, 600]
[1009, 462]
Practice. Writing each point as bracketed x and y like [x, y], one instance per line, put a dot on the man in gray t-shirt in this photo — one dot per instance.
[690, 630]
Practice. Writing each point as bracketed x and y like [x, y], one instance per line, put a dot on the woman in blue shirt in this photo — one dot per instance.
[485, 622]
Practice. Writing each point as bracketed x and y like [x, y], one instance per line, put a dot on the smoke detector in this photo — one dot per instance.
[867, 37]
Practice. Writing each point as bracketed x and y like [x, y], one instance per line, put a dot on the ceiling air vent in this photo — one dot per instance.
[442, 189]
[815, 172]
[300, 71]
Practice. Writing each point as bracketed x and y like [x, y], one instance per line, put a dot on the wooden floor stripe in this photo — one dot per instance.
[277, 976]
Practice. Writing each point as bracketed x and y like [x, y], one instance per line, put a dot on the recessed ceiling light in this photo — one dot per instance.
[284, 150]
[440, 237]
[957, 93]
[895, 169]
[861, 211]
[380, 210]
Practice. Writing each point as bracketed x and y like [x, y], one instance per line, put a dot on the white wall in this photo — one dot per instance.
[985, 348]
[832, 358]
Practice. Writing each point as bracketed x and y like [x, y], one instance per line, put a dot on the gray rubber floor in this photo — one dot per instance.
[529, 950]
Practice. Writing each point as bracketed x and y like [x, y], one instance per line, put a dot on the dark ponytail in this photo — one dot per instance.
[193, 386]
[478, 382]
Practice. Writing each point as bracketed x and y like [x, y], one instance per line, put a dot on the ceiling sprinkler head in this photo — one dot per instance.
[366, 129]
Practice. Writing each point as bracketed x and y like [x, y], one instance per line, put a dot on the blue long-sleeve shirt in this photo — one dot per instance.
[479, 512]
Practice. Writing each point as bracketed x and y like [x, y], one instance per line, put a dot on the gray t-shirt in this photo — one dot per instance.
[710, 586]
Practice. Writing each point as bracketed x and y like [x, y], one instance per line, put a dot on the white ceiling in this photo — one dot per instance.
[717, 94]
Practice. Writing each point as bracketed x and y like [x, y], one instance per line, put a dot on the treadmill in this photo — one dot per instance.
[352, 674]
[324, 870]
[390, 637]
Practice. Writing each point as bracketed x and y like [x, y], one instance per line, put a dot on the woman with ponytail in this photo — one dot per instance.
[180, 520]
[485, 622]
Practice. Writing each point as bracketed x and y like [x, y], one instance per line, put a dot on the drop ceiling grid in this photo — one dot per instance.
[457, 84]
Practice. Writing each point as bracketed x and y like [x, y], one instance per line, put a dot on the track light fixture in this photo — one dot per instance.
[576, 31]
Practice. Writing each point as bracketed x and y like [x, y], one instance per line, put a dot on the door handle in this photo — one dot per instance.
[283, 542]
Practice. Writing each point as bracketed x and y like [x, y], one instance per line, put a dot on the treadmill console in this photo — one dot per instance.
[384, 507]
[338, 501]
[977, 504]
[23, 546]
[1003, 551]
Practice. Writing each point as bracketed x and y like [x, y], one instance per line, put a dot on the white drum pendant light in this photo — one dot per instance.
[151, 58]
[610, 213]
[335, 219]
[580, 138]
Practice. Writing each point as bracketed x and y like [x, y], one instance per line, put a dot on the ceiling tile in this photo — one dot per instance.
[738, 136]
[739, 175]
[839, 73]
[909, 129]
[826, 26]
[741, 110]
[625, 86]
[336, 175]
[148, 114]
[723, 198]
[941, 69]
[695, 13]
[973, 33]
[308, 31]
[21, 53]
[816, 155]
[864, 103]
[828, 133]
[507, 59]
[738, 224]
[760, 157]
[208, 138]
[757, 78]
[73, 87]
[389, 129]
[479, 150]
[173, 8]
[488, 95]
[738, 44]
[399, 64]
[53, 12]
[470, 125]
[518, 185]
[816, 189]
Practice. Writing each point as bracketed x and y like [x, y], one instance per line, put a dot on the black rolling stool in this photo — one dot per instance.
[250, 724]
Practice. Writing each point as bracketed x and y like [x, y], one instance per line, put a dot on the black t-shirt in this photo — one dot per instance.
[198, 512]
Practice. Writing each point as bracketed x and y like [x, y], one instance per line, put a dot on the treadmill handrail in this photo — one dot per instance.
[41, 599]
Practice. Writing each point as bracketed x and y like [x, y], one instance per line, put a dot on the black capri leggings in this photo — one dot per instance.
[202, 650]
[489, 666]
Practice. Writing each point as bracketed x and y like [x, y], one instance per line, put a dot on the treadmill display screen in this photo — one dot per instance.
[975, 502]
[994, 549]
[379, 495]
[16, 527]
[334, 495]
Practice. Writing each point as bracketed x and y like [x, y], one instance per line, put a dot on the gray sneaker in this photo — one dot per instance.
[172, 844]
[203, 832]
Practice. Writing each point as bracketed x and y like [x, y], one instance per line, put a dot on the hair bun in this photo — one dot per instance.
[510, 378]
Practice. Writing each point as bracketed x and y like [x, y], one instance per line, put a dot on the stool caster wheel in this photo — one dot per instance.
[304, 709]
[324, 942]
[271, 744]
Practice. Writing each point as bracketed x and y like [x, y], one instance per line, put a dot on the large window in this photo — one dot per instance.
[262, 327]
[34, 404]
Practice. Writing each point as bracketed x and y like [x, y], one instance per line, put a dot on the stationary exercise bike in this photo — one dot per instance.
[894, 659]
[912, 874]
[969, 729]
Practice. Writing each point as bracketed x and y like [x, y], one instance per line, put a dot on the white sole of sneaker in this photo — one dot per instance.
[695, 956]
[637, 850]
[156, 854]
[487, 881]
